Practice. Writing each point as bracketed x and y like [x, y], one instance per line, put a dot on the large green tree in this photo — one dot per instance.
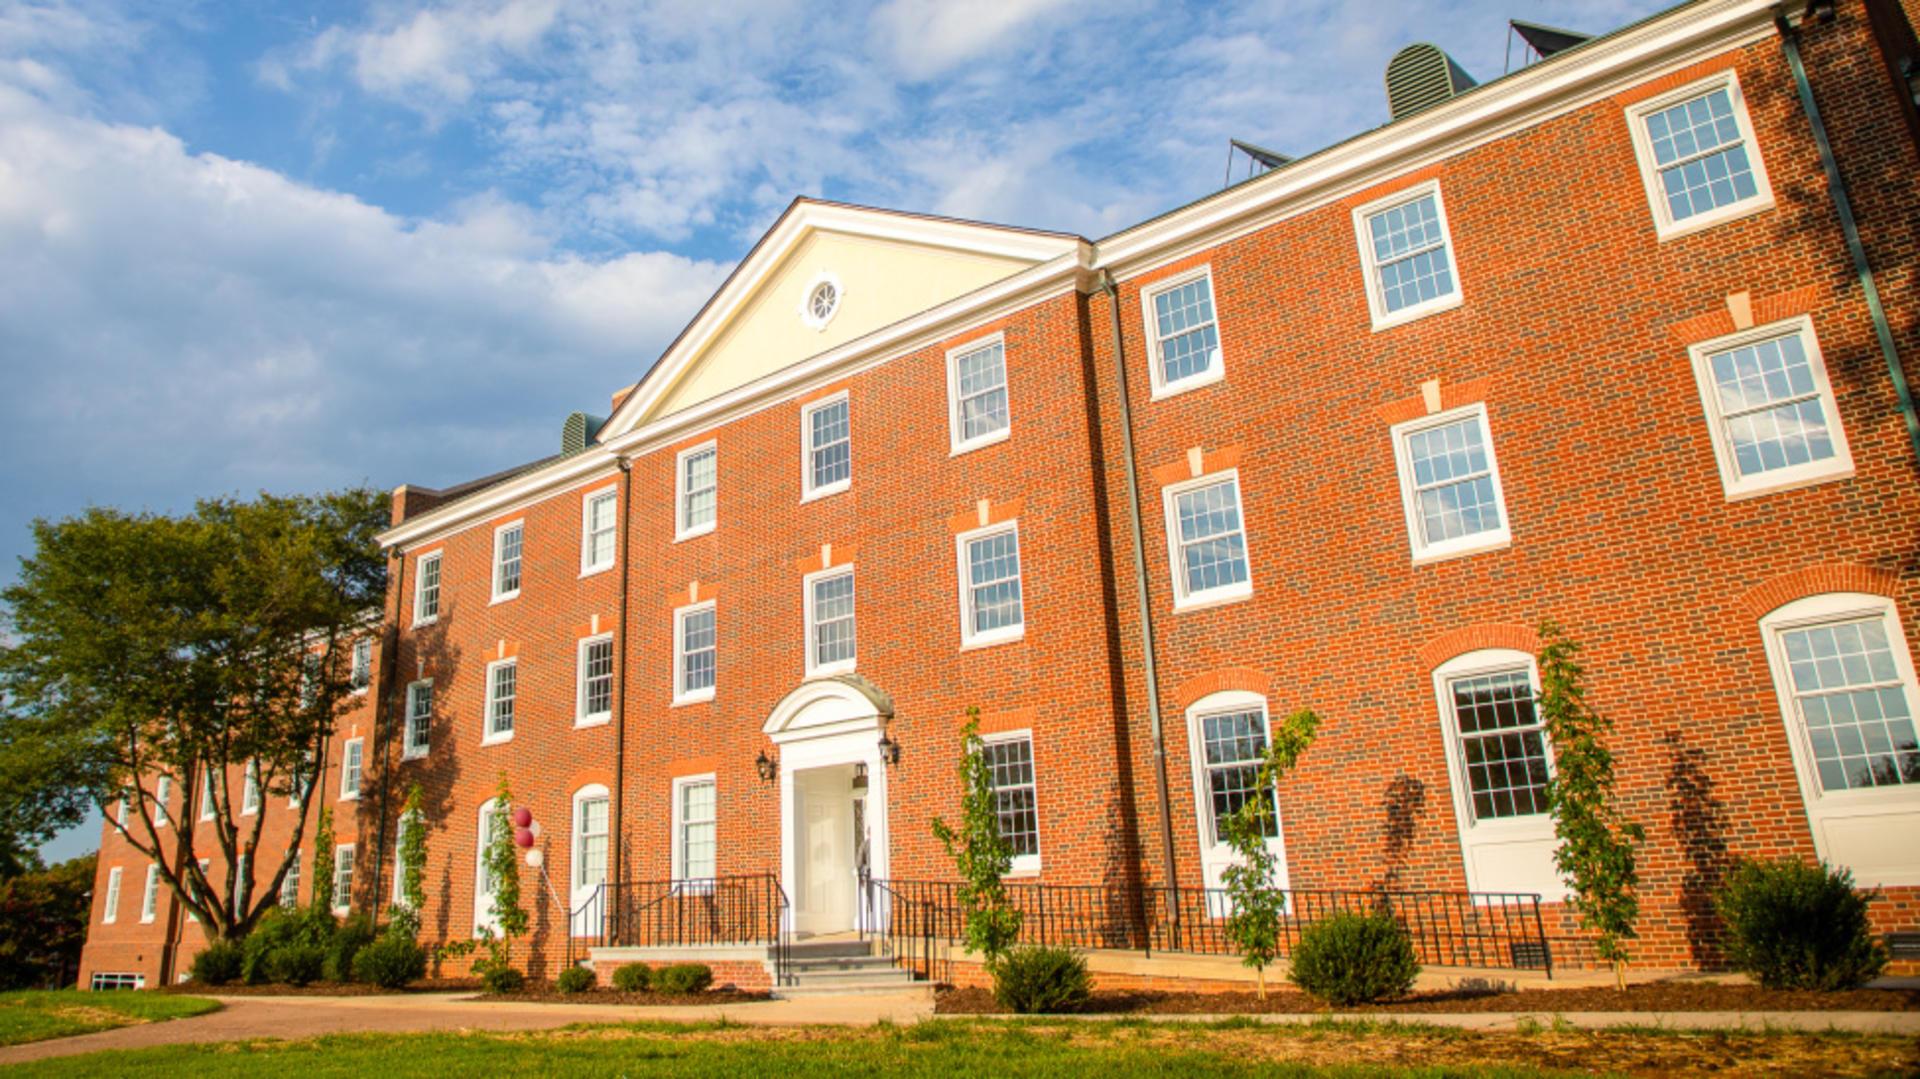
[43, 923]
[193, 647]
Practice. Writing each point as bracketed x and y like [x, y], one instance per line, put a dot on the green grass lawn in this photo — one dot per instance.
[32, 1015]
[956, 1049]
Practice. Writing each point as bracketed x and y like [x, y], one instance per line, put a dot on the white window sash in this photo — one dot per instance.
[957, 399]
[582, 682]
[1491, 539]
[361, 671]
[682, 693]
[610, 530]
[1665, 227]
[111, 913]
[352, 760]
[814, 668]
[1792, 477]
[491, 732]
[505, 560]
[682, 871]
[422, 591]
[342, 876]
[808, 450]
[418, 720]
[968, 592]
[150, 897]
[1216, 369]
[684, 526]
[1022, 863]
[1183, 598]
[1371, 265]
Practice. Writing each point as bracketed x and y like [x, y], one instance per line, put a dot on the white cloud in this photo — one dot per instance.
[437, 52]
[926, 38]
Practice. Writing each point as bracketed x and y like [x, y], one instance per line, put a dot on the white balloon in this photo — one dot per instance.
[535, 829]
[534, 858]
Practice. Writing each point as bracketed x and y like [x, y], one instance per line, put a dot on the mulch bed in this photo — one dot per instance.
[534, 993]
[545, 993]
[1645, 997]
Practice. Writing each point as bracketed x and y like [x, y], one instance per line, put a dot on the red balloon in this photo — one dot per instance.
[522, 837]
[522, 816]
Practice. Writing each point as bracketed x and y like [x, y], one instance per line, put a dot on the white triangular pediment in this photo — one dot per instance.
[881, 268]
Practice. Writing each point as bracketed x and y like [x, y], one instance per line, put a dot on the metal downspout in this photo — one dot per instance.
[1790, 43]
[1140, 588]
[382, 709]
[616, 816]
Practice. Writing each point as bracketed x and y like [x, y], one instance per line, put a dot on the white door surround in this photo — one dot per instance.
[829, 724]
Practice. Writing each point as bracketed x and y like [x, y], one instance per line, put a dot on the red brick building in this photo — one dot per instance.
[1590, 343]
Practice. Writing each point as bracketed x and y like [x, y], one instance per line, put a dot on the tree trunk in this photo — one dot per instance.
[1620, 975]
[1260, 976]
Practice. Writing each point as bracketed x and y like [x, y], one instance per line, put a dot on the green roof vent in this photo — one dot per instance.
[1420, 76]
[579, 431]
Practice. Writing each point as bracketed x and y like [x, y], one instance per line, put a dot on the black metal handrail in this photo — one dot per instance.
[1499, 930]
[706, 911]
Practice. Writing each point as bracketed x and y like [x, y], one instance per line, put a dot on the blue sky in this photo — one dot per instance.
[300, 245]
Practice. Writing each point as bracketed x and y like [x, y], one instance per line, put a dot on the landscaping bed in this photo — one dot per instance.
[545, 993]
[323, 989]
[1666, 996]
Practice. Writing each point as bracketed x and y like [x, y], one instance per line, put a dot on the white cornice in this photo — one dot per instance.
[586, 466]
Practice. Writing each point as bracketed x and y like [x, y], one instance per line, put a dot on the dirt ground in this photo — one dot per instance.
[1646, 997]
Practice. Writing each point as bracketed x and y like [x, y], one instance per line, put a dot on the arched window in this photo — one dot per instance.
[1498, 764]
[1845, 680]
[1227, 737]
[588, 859]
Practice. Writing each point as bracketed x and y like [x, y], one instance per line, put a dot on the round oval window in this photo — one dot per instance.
[821, 304]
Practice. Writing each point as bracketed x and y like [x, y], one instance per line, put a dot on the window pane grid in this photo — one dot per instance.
[1212, 547]
[993, 569]
[600, 530]
[833, 627]
[1854, 706]
[697, 831]
[1771, 405]
[982, 381]
[419, 717]
[290, 883]
[598, 679]
[342, 876]
[1453, 481]
[1501, 744]
[507, 569]
[696, 650]
[506, 680]
[1232, 746]
[350, 768]
[1410, 251]
[831, 442]
[362, 671]
[702, 488]
[1011, 768]
[1701, 156]
[428, 604]
[1189, 337]
[591, 859]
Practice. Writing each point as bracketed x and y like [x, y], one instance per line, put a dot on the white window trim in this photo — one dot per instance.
[806, 583]
[1534, 830]
[407, 752]
[252, 794]
[111, 910]
[1214, 856]
[352, 794]
[206, 794]
[677, 841]
[581, 718]
[969, 638]
[420, 582]
[1211, 597]
[1664, 226]
[808, 492]
[1156, 371]
[499, 534]
[150, 895]
[578, 892]
[1024, 863]
[333, 886]
[805, 309]
[107, 981]
[399, 866]
[588, 567]
[1736, 486]
[484, 915]
[1370, 270]
[489, 736]
[352, 662]
[1891, 812]
[290, 882]
[162, 794]
[682, 530]
[1460, 546]
[958, 444]
[682, 695]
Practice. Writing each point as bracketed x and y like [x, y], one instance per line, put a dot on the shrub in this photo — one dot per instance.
[682, 978]
[1040, 980]
[219, 963]
[1795, 926]
[297, 963]
[631, 978]
[390, 962]
[500, 978]
[354, 934]
[279, 929]
[576, 980]
[1352, 958]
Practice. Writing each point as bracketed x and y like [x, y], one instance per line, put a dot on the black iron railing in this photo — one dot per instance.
[917, 921]
[710, 911]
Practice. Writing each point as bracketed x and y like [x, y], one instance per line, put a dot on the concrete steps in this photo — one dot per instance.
[837, 968]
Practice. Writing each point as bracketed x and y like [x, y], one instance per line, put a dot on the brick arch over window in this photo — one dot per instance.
[587, 777]
[1201, 685]
[1815, 580]
[1473, 638]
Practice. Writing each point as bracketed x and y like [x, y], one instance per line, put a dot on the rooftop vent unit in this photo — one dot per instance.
[1421, 76]
[579, 431]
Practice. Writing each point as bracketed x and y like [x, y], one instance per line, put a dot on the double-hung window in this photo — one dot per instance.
[827, 434]
[508, 540]
[503, 682]
[493, 824]
[977, 394]
[1845, 680]
[597, 530]
[1009, 760]
[1207, 541]
[407, 831]
[1770, 410]
[351, 755]
[111, 912]
[250, 788]
[594, 692]
[693, 653]
[1499, 763]
[342, 877]
[693, 829]
[150, 899]
[426, 589]
[1698, 156]
[360, 674]
[419, 733]
[206, 794]
[195, 893]
[590, 842]
[830, 621]
[1450, 484]
[1182, 332]
[698, 490]
[162, 794]
[290, 883]
[1227, 742]
[1408, 256]
[990, 607]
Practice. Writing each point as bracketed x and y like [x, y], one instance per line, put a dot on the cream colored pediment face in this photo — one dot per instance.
[873, 281]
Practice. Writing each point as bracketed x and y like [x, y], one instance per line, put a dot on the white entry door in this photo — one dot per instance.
[826, 865]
